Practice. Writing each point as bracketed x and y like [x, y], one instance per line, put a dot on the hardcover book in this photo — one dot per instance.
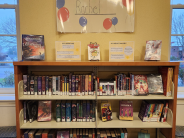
[31, 133]
[39, 85]
[47, 85]
[74, 111]
[25, 112]
[33, 47]
[83, 84]
[126, 110]
[141, 85]
[32, 107]
[35, 85]
[44, 111]
[106, 112]
[32, 85]
[63, 111]
[89, 84]
[86, 85]
[58, 111]
[54, 85]
[39, 133]
[50, 85]
[93, 111]
[28, 84]
[68, 111]
[45, 133]
[52, 133]
[88, 111]
[73, 84]
[59, 86]
[63, 134]
[43, 85]
[76, 84]
[25, 84]
[84, 107]
[26, 134]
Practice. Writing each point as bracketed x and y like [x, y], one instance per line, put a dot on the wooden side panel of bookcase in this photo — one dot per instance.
[18, 71]
[170, 133]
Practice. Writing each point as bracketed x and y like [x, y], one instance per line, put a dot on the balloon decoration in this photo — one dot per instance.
[83, 21]
[60, 3]
[107, 23]
[114, 20]
[130, 8]
[63, 14]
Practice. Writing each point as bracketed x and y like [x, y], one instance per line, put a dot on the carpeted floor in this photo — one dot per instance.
[8, 132]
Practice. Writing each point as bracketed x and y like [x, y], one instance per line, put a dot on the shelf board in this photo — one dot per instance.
[95, 63]
[53, 125]
[56, 97]
[136, 123]
[130, 97]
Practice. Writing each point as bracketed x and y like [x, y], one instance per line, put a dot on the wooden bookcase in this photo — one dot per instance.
[102, 69]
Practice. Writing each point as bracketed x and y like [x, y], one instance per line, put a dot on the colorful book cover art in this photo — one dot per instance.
[33, 47]
[44, 111]
[106, 111]
[63, 134]
[25, 84]
[126, 110]
[141, 85]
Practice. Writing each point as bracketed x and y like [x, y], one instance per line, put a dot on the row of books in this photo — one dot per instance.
[76, 133]
[66, 111]
[153, 111]
[75, 111]
[59, 85]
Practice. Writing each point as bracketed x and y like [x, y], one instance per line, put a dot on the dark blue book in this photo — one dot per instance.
[26, 134]
[38, 134]
[39, 85]
[68, 111]
[84, 111]
[47, 85]
[88, 111]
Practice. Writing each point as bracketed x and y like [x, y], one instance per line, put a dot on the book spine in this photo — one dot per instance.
[67, 85]
[86, 85]
[79, 85]
[43, 85]
[70, 84]
[119, 84]
[58, 112]
[94, 82]
[35, 85]
[73, 84]
[78, 111]
[50, 85]
[39, 85]
[84, 111]
[56, 85]
[25, 84]
[83, 84]
[59, 92]
[76, 84]
[91, 111]
[98, 86]
[61, 85]
[63, 112]
[88, 111]
[116, 79]
[25, 115]
[81, 111]
[53, 85]
[92, 86]
[32, 85]
[28, 84]
[89, 84]
[74, 112]
[65, 82]
[68, 112]
[47, 85]
[128, 86]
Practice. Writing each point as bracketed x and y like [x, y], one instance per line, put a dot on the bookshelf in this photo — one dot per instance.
[102, 69]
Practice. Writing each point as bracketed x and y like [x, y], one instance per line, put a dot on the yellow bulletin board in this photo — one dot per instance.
[121, 51]
[68, 50]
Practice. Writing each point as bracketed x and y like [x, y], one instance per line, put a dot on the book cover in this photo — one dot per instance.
[33, 47]
[141, 85]
[58, 111]
[63, 134]
[50, 85]
[74, 111]
[89, 84]
[32, 107]
[52, 133]
[45, 133]
[124, 89]
[25, 84]
[68, 111]
[56, 85]
[84, 107]
[143, 112]
[126, 110]
[153, 50]
[164, 112]
[31, 133]
[86, 85]
[106, 111]
[26, 134]
[36, 85]
[28, 84]
[59, 86]
[63, 111]
[53, 85]
[32, 85]
[73, 84]
[43, 85]
[155, 84]
[39, 85]
[44, 111]
[88, 111]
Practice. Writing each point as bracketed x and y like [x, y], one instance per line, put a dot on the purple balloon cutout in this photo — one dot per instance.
[83, 21]
[60, 3]
[114, 20]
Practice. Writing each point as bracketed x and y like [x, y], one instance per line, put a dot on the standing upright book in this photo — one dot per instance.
[33, 47]
[39, 85]
[106, 111]
[63, 134]
[44, 111]
[84, 110]
[52, 133]
[126, 110]
[141, 85]
[31, 133]
[25, 84]
[54, 85]
[45, 133]
[86, 85]
[35, 85]
[47, 85]
[68, 111]
[43, 85]
[73, 84]
[58, 111]
[74, 111]
[32, 107]
[28, 84]
[50, 85]
[39, 133]
[63, 111]
[32, 85]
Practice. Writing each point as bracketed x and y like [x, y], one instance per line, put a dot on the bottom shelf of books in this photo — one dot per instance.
[135, 123]
[53, 124]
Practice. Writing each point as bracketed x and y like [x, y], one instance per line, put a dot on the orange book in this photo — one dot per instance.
[45, 133]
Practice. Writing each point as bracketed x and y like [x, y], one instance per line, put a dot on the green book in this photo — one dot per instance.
[58, 111]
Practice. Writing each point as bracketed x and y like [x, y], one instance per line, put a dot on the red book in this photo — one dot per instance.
[45, 133]
[44, 111]
[43, 85]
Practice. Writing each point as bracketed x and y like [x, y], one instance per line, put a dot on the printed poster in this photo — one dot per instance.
[95, 15]
[121, 51]
[68, 50]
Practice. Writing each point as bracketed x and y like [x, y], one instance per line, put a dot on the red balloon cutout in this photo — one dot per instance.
[107, 23]
[63, 14]
[124, 2]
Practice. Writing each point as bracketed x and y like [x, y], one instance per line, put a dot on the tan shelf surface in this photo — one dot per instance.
[149, 97]
[136, 123]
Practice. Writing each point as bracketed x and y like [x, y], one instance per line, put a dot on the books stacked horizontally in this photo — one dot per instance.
[153, 111]
[75, 111]
[112, 133]
[59, 85]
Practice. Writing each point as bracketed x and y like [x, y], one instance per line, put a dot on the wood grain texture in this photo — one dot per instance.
[95, 63]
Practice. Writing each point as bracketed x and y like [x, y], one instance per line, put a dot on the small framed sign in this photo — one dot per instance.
[68, 50]
[121, 51]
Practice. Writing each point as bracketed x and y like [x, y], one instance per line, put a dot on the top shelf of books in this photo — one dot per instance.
[95, 63]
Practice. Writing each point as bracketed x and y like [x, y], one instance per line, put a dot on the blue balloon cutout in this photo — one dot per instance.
[83, 21]
[60, 3]
[114, 20]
